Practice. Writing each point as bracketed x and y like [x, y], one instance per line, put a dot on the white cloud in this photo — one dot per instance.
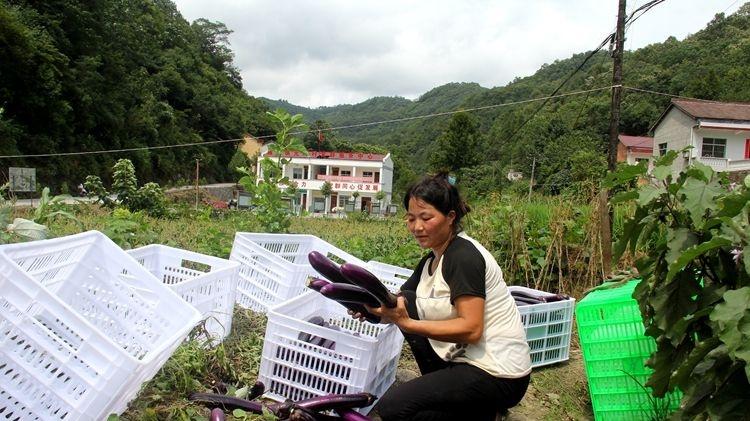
[328, 52]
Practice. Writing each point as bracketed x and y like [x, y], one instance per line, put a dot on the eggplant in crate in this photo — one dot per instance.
[303, 359]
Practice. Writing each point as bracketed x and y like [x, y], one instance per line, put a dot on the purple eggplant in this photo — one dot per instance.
[316, 283]
[363, 278]
[352, 415]
[344, 401]
[326, 267]
[350, 294]
[226, 402]
[217, 415]
[256, 391]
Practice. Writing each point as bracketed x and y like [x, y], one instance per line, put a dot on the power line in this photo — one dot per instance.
[373, 123]
[609, 39]
[396, 120]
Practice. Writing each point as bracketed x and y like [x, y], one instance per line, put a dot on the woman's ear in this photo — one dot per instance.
[451, 216]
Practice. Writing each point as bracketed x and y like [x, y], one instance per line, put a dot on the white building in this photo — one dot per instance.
[348, 172]
[719, 133]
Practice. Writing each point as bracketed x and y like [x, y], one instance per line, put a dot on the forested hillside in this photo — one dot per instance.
[115, 74]
[566, 140]
[86, 76]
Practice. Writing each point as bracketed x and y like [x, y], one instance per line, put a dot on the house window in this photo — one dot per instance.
[714, 148]
[297, 173]
[662, 149]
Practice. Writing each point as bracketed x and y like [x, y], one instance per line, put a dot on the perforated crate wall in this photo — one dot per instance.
[548, 328]
[89, 292]
[615, 349]
[364, 358]
[207, 283]
[274, 267]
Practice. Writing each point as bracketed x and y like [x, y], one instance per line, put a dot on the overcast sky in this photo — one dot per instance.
[329, 52]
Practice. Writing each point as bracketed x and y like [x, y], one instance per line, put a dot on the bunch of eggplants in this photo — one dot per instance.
[350, 285]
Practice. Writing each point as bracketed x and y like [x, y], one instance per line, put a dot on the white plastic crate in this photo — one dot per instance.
[207, 283]
[395, 275]
[548, 328]
[364, 358]
[90, 314]
[275, 266]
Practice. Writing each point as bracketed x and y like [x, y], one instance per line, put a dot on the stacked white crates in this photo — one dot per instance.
[275, 266]
[548, 327]
[207, 283]
[82, 326]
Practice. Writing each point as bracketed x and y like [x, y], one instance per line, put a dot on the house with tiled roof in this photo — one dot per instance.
[356, 178]
[719, 133]
[634, 149]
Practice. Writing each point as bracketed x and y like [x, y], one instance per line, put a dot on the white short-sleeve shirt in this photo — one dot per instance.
[467, 268]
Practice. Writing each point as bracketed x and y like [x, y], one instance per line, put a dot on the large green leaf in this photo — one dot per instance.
[624, 196]
[624, 175]
[661, 172]
[700, 171]
[732, 318]
[648, 193]
[679, 240]
[28, 229]
[681, 376]
[699, 197]
[693, 252]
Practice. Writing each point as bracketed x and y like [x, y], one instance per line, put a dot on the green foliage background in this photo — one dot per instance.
[84, 76]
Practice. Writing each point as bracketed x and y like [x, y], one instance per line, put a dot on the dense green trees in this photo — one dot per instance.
[118, 74]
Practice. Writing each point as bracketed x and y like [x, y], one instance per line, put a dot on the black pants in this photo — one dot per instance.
[447, 391]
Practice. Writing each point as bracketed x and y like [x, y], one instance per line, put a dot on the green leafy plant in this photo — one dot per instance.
[149, 198]
[694, 294]
[267, 195]
[22, 229]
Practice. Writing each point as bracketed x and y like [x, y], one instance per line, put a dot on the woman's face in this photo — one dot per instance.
[430, 227]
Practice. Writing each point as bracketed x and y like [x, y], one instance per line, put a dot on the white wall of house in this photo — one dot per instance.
[310, 173]
[734, 158]
[674, 130]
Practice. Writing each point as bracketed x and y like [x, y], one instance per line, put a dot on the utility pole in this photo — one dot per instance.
[531, 181]
[614, 132]
[197, 175]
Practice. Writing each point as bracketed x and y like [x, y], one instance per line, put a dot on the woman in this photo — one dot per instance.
[458, 317]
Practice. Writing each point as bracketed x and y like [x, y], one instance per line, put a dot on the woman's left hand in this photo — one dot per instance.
[397, 315]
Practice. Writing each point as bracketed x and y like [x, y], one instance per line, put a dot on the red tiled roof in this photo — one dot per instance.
[356, 156]
[714, 110]
[637, 141]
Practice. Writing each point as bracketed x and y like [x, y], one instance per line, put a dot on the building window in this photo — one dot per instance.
[714, 148]
[297, 173]
[367, 174]
[662, 149]
[345, 173]
[342, 200]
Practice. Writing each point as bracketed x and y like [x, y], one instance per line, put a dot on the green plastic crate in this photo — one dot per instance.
[615, 349]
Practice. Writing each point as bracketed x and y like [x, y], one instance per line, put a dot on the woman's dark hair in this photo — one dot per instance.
[439, 191]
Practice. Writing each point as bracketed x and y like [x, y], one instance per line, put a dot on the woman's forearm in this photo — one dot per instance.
[458, 330]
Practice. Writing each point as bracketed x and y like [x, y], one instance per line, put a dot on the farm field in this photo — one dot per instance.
[557, 392]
